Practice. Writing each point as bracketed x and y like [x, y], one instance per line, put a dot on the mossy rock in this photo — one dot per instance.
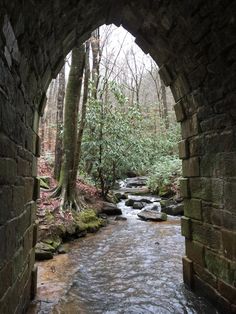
[41, 255]
[88, 221]
[111, 198]
[129, 202]
[121, 196]
[54, 242]
[42, 246]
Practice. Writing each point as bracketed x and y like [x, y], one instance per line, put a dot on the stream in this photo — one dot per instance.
[130, 266]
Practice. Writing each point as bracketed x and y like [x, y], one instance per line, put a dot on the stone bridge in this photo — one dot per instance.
[194, 44]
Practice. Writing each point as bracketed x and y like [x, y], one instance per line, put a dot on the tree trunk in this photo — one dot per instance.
[96, 53]
[59, 123]
[83, 109]
[95, 44]
[164, 103]
[67, 184]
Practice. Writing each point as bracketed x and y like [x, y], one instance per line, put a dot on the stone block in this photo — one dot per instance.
[205, 275]
[227, 164]
[23, 223]
[5, 278]
[5, 204]
[187, 271]
[2, 246]
[207, 235]
[35, 234]
[204, 289]
[23, 167]
[11, 238]
[196, 146]
[33, 210]
[219, 266]
[34, 167]
[34, 276]
[230, 195]
[183, 149]
[27, 242]
[228, 291]
[195, 252]
[190, 127]
[29, 188]
[229, 244]
[179, 111]
[184, 187]
[36, 194]
[186, 227]
[42, 105]
[8, 148]
[8, 171]
[167, 78]
[197, 76]
[191, 167]
[11, 41]
[208, 189]
[219, 122]
[17, 264]
[229, 220]
[38, 146]
[180, 87]
[212, 214]
[193, 208]
[18, 198]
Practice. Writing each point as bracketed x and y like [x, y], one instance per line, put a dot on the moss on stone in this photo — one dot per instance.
[219, 266]
[87, 220]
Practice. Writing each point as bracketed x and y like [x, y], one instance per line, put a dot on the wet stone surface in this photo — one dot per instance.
[130, 266]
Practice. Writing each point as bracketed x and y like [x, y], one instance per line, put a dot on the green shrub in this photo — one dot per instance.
[164, 172]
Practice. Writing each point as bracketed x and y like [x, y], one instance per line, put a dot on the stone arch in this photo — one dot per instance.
[194, 46]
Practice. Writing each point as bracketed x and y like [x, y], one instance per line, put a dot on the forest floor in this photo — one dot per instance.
[56, 226]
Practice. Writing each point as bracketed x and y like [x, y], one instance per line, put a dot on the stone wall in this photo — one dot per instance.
[193, 42]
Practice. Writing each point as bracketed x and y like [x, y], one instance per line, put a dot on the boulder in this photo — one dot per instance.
[174, 210]
[41, 255]
[45, 247]
[120, 218]
[153, 207]
[147, 214]
[121, 196]
[136, 182]
[43, 251]
[166, 203]
[145, 200]
[138, 205]
[129, 202]
[110, 209]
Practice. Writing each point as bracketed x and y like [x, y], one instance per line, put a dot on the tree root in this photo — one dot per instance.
[66, 203]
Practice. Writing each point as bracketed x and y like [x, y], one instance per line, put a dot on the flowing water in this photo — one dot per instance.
[129, 266]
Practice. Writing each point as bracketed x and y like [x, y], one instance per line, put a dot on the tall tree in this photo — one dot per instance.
[83, 109]
[67, 184]
[96, 53]
[59, 123]
[164, 104]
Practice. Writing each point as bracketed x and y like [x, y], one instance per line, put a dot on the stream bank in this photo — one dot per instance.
[130, 266]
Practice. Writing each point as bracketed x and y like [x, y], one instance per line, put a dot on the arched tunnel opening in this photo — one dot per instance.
[194, 46]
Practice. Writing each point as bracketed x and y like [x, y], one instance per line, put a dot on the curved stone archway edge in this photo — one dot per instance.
[194, 44]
